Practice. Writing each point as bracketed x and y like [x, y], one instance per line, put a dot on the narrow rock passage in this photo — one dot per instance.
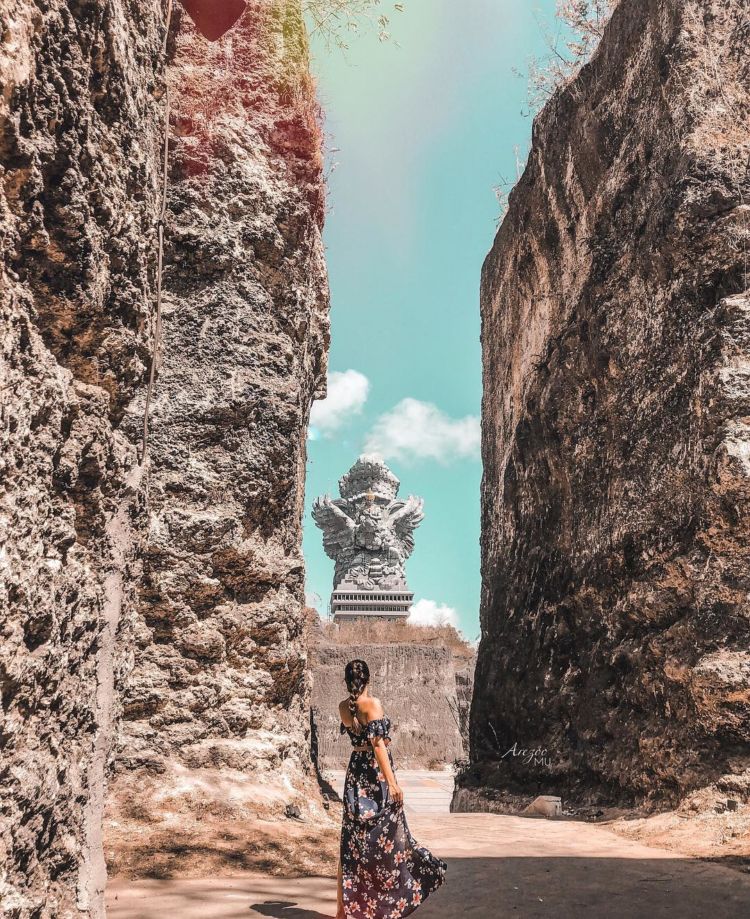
[498, 866]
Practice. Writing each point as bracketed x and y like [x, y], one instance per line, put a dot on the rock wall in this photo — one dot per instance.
[216, 700]
[417, 685]
[464, 672]
[79, 116]
[616, 439]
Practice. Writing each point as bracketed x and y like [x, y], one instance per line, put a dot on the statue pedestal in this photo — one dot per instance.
[351, 603]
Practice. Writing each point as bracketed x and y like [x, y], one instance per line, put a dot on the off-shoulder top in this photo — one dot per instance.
[379, 727]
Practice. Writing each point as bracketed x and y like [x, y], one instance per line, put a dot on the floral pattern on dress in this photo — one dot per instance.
[386, 874]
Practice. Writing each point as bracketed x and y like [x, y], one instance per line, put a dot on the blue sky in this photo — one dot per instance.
[423, 130]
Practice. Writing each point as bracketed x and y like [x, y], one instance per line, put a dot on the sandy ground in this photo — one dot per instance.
[196, 823]
[722, 836]
[497, 865]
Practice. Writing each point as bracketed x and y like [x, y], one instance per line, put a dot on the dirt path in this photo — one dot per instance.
[498, 866]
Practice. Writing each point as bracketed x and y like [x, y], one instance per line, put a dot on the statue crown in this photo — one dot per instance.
[369, 475]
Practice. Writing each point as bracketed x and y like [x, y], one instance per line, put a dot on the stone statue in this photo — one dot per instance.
[367, 531]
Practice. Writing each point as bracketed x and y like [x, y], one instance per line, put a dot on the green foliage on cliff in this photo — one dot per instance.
[571, 41]
[336, 21]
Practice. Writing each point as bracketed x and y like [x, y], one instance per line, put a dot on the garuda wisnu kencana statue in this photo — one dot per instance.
[368, 532]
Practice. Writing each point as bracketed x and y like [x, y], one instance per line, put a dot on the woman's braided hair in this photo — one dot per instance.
[357, 676]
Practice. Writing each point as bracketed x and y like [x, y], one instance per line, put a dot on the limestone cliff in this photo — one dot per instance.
[79, 133]
[170, 591]
[616, 341]
[216, 700]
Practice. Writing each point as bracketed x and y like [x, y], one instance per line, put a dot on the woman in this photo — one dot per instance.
[383, 873]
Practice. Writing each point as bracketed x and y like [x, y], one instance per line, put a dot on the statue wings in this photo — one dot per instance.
[404, 518]
[336, 524]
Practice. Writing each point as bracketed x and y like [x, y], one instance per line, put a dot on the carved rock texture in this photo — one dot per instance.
[616, 424]
[78, 136]
[419, 687]
[219, 679]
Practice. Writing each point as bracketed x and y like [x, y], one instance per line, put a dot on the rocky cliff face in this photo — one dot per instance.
[79, 149]
[616, 341]
[217, 696]
[177, 582]
[418, 687]
[464, 673]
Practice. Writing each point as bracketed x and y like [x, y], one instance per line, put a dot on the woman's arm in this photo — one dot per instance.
[381, 755]
[374, 711]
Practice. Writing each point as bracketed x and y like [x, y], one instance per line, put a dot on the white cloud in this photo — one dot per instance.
[347, 394]
[420, 430]
[428, 612]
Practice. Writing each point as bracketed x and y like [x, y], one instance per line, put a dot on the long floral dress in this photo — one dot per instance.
[386, 875]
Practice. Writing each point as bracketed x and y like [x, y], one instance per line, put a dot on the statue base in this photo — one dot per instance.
[348, 604]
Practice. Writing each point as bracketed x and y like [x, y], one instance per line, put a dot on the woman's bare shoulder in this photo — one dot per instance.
[372, 708]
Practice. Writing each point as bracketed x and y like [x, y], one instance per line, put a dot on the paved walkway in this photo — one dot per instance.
[425, 791]
[497, 867]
